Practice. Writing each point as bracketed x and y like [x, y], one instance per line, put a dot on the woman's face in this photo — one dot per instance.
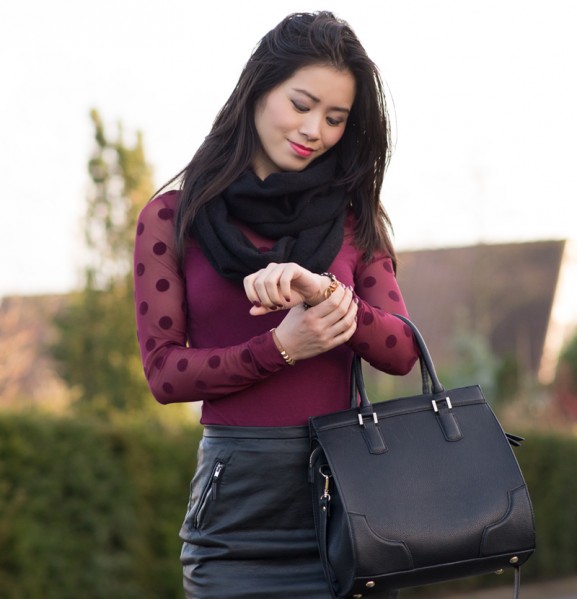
[302, 118]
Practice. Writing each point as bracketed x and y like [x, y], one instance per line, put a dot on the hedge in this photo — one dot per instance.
[93, 510]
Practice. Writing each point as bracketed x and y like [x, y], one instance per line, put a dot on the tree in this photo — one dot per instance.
[121, 184]
[96, 350]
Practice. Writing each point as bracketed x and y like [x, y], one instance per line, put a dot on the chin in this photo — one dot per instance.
[297, 165]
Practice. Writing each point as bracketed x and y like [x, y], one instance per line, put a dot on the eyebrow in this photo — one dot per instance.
[317, 100]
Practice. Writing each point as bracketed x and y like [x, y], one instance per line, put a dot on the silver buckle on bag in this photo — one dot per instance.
[361, 421]
[447, 399]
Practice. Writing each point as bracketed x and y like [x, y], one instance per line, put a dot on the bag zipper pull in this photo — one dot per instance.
[325, 499]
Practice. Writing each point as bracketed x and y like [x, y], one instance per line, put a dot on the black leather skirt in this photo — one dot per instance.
[249, 530]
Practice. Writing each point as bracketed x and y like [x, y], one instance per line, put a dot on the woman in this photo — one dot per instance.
[255, 283]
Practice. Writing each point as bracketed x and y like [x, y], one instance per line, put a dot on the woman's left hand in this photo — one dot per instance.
[282, 286]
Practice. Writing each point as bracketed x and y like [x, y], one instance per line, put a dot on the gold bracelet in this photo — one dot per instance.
[333, 285]
[281, 349]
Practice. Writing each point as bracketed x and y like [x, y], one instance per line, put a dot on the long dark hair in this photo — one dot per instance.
[300, 40]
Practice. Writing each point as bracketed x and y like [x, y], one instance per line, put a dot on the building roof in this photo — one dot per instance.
[503, 293]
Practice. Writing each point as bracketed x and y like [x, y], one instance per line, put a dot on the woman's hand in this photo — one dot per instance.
[283, 286]
[307, 333]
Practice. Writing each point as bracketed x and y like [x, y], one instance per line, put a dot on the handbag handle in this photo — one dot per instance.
[428, 373]
[425, 357]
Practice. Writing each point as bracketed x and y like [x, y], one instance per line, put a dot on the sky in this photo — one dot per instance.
[482, 96]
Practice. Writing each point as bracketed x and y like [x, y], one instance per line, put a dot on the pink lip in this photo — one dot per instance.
[301, 150]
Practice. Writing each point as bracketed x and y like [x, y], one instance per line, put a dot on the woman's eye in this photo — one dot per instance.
[299, 107]
[333, 122]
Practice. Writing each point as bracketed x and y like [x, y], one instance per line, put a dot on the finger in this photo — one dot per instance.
[338, 307]
[254, 296]
[285, 291]
[328, 306]
[265, 285]
[250, 291]
[339, 335]
[256, 290]
[288, 275]
[346, 326]
[260, 311]
[346, 334]
[272, 286]
[349, 321]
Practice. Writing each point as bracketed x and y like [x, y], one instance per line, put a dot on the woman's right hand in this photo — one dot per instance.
[282, 286]
[305, 333]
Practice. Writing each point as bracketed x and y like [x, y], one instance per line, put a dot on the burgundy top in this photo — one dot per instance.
[199, 342]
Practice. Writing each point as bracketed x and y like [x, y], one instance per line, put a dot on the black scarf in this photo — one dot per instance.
[303, 212]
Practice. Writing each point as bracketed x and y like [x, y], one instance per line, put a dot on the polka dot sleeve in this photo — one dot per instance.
[176, 372]
[382, 339]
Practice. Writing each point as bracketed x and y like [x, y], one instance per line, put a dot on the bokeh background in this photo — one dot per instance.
[482, 93]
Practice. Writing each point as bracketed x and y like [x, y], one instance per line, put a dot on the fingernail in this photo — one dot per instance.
[273, 307]
[279, 305]
[257, 304]
[287, 299]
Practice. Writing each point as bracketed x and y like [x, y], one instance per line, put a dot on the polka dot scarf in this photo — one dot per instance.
[304, 212]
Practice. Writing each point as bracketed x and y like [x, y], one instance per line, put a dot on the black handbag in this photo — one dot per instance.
[416, 490]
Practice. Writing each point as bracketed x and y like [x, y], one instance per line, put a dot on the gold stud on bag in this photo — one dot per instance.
[402, 514]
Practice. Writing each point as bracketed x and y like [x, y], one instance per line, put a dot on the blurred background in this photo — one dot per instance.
[104, 102]
[482, 96]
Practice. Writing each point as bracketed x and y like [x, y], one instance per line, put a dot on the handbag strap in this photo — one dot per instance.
[425, 359]
[430, 380]
[322, 541]
[517, 587]
[358, 388]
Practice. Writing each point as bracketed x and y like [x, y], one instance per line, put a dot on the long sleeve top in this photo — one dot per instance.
[199, 342]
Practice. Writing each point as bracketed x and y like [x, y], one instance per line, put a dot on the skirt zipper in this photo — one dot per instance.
[209, 492]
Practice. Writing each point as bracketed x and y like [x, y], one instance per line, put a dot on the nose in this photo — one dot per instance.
[311, 126]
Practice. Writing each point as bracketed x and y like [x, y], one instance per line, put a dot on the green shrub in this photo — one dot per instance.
[548, 464]
[91, 510]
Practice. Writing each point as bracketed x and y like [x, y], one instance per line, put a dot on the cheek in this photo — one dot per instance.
[333, 136]
[264, 120]
[275, 116]
[281, 119]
